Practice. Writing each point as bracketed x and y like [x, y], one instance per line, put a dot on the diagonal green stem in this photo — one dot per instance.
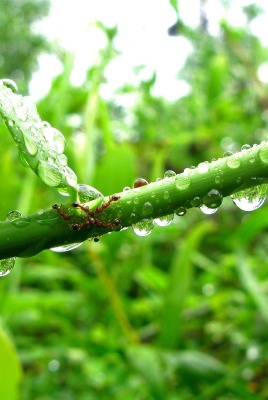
[29, 235]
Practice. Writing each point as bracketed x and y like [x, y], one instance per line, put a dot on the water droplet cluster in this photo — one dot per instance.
[40, 145]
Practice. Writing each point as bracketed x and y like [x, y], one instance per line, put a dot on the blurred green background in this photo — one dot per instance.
[182, 313]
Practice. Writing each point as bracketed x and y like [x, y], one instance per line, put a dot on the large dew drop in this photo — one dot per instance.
[6, 266]
[182, 181]
[147, 209]
[213, 199]
[263, 153]
[49, 173]
[12, 215]
[250, 199]
[54, 138]
[233, 162]
[87, 193]
[144, 227]
[207, 210]
[164, 221]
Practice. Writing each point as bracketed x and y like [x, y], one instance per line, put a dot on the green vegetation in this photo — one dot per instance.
[180, 313]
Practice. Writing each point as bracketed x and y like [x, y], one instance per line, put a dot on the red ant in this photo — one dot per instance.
[112, 198]
[91, 220]
[86, 209]
[61, 212]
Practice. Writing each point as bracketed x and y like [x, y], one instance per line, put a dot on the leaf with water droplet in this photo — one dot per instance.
[40, 145]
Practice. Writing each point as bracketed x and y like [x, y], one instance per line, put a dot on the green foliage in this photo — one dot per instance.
[91, 323]
[20, 45]
[11, 368]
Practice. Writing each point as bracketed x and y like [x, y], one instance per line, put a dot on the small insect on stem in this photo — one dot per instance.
[103, 206]
[83, 208]
[91, 219]
[61, 212]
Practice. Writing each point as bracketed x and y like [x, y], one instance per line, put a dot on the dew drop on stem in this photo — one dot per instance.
[12, 215]
[144, 227]
[263, 152]
[169, 174]
[6, 266]
[213, 199]
[139, 182]
[250, 199]
[207, 210]
[182, 181]
[164, 221]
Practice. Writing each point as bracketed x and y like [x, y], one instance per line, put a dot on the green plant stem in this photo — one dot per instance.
[29, 235]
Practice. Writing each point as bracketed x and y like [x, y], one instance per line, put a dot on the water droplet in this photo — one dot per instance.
[12, 215]
[203, 167]
[10, 122]
[166, 195]
[169, 174]
[136, 200]
[87, 193]
[54, 138]
[228, 154]
[207, 210]
[126, 189]
[213, 199]
[233, 161]
[144, 227]
[30, 144]
[181, 211]
[6, 266]
[218, 180]
[196, 202]
[245, 147]
[62, 159]
[70, 177]
[49, 173]
[250, 199]
[182, 181]
[66, 247]
[147, 208]
[140, 182]
[9, 84]
[164, 221]
[64, 191]
[263, 153]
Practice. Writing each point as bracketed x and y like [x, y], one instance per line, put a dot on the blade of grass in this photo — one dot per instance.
[181, 273]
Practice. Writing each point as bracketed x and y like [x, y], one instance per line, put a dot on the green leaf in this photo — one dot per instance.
[174, 4]
[179, 285]
[146, 361]
[251, 283]
[10, 369]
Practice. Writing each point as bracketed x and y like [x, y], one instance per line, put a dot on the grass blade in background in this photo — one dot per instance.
[181, 275]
